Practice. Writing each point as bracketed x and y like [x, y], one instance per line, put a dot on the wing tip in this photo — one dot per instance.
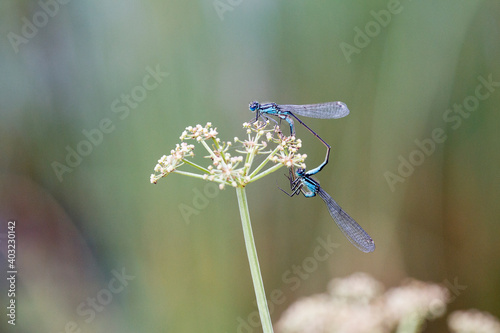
[368, 247]
[344, 110]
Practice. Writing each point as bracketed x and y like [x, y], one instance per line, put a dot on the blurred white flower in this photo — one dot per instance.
[473, 321]
[359, 287]
[350, 307]
[307, 315]
[356, 304]
[425, 300]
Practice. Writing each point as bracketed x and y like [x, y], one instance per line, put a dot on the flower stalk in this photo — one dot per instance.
[229, 170]
[253, 260]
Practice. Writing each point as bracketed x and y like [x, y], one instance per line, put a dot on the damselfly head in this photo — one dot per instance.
[300, 172]
[254, 106]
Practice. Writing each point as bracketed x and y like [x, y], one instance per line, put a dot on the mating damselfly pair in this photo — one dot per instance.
[301, 180]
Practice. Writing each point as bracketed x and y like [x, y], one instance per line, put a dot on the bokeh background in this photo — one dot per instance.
[100, 217]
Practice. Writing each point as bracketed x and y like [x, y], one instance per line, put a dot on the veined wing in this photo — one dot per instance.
[330, 110]
[352, 230]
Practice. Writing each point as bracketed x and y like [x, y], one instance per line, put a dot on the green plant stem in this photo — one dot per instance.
[268, 171]
[195, 175]
[253, 260]
[210, 151]
[194, 165]
[263, 163]
[218, 147]
[412, 323]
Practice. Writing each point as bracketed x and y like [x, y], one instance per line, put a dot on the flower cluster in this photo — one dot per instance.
[417, 299]
[357, 288]
[473, 321]
[226, 169]
[287, 155]
[167, 164]
[357, 304]
[199, 132]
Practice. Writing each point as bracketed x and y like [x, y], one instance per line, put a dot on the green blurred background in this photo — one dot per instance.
[102, 217]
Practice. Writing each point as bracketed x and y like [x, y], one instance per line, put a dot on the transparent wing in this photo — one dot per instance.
[330, 110]
[353, 231]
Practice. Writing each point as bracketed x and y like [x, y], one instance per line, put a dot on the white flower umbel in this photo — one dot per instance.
[236, 171]
[358, 304]
[473, 321]
[225, 169]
